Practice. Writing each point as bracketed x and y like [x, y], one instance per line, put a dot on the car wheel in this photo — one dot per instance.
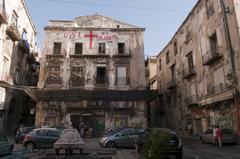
[110, 144]
[29, 147]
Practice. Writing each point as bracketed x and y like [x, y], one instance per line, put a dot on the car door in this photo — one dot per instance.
[52, 137]
[42, 138]
[133, 136]
[121, 138]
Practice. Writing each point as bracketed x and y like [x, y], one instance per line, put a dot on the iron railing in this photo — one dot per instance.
[212, 55]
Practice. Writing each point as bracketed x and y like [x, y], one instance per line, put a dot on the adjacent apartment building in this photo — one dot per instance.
[18, 67]
[92, 75]
[199, 69]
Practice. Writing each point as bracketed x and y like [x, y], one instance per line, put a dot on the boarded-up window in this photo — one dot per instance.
[78, 48]
[121, 76]
[54, 77]
[57, 48]
[77, 76]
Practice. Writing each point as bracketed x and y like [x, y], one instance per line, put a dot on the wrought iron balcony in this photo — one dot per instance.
[172, 84]
[24, 46]
[212, 90]
[212, 56]
[13, 33]
[189, 72]
[3, 15]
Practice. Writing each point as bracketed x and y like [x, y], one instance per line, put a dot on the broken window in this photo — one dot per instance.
[78, 48]
[102, 48]
[77, 76]
[101, 75]
[57, 48]
[209, 8]
[167, 58]
[121, 48]
[122, 78]
[214, 44]
[175, 48]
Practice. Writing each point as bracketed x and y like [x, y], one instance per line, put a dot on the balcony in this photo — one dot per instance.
[213, 90]
[191, 100]
[24, 46]
[13, 33]
[212, 56]
[172, 84]
[31, 58]
[52, 80]
[189, 72]
[122, 81]
[3, 16]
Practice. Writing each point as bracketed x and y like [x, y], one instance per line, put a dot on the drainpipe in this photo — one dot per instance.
[230, 47]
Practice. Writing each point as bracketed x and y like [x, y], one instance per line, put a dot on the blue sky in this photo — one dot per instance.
[161, 18]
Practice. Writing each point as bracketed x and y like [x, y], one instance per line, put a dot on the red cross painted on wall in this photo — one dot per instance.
[91, 36]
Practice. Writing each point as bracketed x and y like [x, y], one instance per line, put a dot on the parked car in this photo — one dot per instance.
[175, 143]
[113, 130]
[21, 132]
[5, 147]
[126, 137]
[228, 136]
[41, 138]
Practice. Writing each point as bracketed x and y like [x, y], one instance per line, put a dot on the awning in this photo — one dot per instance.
[104, 95]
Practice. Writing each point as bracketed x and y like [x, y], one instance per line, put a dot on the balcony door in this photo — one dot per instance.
[101, 75]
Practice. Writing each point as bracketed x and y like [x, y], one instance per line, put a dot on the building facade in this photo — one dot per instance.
[93, 62]
[17, 66]
[198, 70]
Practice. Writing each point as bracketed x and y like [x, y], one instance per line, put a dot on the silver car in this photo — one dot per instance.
[124, 138]
[228, 136]
[5, 147]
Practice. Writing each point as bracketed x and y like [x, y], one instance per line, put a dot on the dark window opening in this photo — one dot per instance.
[173, 73]
[101, 75]
[175, 48]
[214, 44]
[57, 48]
[121, 48]
[210, 8]
[167, 58]
[78, 48]
[190, 61]
[160, 64]
[102, 48]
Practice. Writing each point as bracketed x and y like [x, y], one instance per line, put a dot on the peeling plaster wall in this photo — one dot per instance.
[104, 30]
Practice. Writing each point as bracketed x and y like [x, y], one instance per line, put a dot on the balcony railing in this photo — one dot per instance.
[122, 81]
[212, 90]
[191, 100]
[24, 46]
[3, 15]
[13, 33]
[171, 84]
[189, 72]
[53, 80]
[212, 56]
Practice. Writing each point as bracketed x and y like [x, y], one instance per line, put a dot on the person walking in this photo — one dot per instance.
[219, 136]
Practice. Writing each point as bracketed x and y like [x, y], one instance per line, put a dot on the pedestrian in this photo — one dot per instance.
[219, 136]
[215, 141]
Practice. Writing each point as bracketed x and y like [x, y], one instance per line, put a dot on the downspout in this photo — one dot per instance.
[230, 47]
